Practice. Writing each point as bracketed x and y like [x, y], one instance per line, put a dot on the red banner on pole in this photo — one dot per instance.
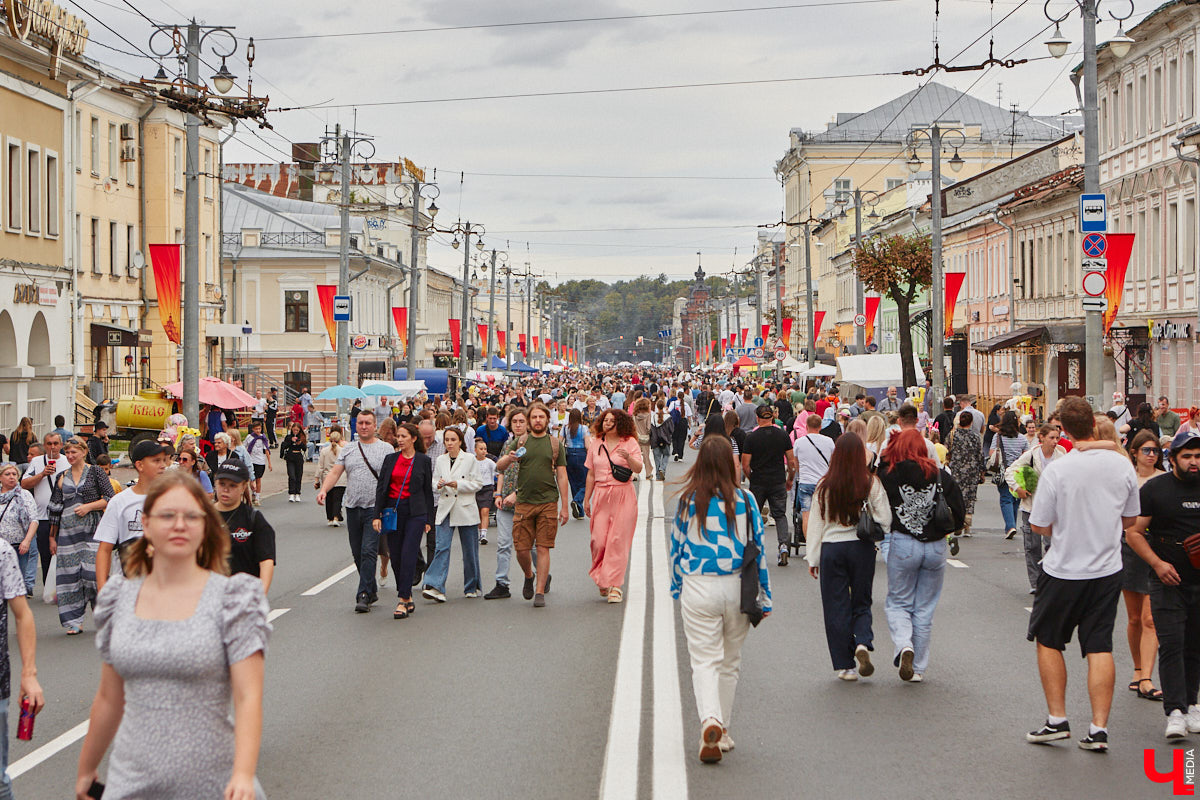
[521, 343]
[483, 340]
[536, 348]
[1120, 246]
[766, 332]
[745, 336]
[954, 282]
[546, 346]
[501, 341]
[787, 332]
[400, 317]
[871, 308]
[325, 293]
[724, 344]
[164, 258]
[818, 319]
[455, 336]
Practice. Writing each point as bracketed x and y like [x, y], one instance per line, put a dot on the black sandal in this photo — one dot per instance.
[410, 605]
[401, 612]
[1133, 685]
[1153, 694]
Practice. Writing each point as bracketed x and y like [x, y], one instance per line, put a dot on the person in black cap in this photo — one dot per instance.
[122, 520]
[1170, 514]
[98, 442]
[253, 538]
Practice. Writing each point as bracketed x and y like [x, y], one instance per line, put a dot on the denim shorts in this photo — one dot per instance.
[804, 495]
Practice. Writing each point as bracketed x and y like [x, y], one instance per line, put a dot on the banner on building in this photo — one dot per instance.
[1120, 246]
[871, 309]
[954, 282]
[325, 293]
[818, 319]
[724, 344]
[165, 260]
[400, 316]
[455, 337]
[501, 341]
[546, 346]
[536, 347]
[786, 334]
[483, 338]
[521, 344]
[745, 336]
[766, 333]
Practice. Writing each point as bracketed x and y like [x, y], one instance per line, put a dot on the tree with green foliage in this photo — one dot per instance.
[900, 267]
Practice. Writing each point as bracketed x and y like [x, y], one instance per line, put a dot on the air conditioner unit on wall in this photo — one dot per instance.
[127, 131]
[128, 153]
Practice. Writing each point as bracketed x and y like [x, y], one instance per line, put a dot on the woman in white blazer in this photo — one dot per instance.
[455, 481]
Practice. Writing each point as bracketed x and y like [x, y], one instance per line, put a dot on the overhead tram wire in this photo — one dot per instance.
[621, 177]
[575, 20]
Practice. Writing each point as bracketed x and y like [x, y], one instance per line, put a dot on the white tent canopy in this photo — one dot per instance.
[790, 364]
[876, 371]
[818, 371]
[404, 389]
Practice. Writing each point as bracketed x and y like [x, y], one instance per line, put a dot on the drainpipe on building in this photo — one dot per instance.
[1012, 291]
[1178, 147]
[76, 294]
[145, 369]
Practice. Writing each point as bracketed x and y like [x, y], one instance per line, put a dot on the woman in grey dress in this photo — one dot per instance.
[77, 501]
[180, 640]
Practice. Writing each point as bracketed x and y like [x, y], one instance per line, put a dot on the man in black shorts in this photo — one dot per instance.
[1171, 513]
[1084, 501]
[770, 464]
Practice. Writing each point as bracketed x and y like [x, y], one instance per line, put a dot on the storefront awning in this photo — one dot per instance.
[105, 335]
[372, 368]
[1010, 339]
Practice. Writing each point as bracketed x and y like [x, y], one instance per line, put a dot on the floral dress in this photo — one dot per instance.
[966, 463]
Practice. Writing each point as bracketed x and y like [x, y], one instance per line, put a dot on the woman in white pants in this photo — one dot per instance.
[708, 540]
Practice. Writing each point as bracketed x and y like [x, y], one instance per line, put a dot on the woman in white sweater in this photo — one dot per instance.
[455, 480]
[843, 563]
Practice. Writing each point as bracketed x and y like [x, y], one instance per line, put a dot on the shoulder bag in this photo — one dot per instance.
[751, 601]
[374, 472]
[941, 522]
[868, 530]
[999, 478]
[619, 472]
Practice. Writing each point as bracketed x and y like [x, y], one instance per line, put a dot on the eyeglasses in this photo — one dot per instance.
[1151, 451]
[190, 518]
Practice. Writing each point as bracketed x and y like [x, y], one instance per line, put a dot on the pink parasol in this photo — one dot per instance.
[215, 392]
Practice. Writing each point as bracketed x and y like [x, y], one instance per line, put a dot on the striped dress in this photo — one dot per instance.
[75, 559]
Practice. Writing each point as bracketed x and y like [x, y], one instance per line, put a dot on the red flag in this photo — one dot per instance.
[818, 318]
[164, 258]
[712, 349]
[483, 338]
[521, 343]
[724, 340]
[954, 282]
[1120, 246]
[501, 340]
[546, 345]
[697, 356]
[766, 332]
[787, 332]
[455, 337]
[325, 293]
[745, 336]
[871, 307]
[400, 316]
[536, 349]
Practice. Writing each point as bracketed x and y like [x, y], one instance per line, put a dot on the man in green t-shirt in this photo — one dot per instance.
[541, 490]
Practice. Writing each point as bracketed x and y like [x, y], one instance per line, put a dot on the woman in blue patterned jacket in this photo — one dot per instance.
[712, 525]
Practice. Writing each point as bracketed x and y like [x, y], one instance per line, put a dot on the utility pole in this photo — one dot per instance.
[1093, 326]
[343, 327]
[464, 363]
[811, 321]
[487, 348]
[758, 301]
[191, 240]
[528, 313]
[508, 327]
[937, 331]
[860, 331]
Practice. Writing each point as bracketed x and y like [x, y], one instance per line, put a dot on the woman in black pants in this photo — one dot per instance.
[292, 451]
[406, 485]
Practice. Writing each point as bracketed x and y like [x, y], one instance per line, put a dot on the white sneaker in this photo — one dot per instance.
[770, 522]
[847, 675]
[474, 594]
[726, 743]
[1176, 725]
[332, 523]
[1193, 719]
[917, 678]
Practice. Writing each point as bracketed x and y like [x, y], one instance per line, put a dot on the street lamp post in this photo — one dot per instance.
[936, 137]
[860, 303]
[1093, 330]
[417, 191]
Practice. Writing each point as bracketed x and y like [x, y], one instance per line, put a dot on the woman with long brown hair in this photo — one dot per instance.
[575, 437]
[639, 409]
[713, 522]
[913, 549]
[610, 503]
[1147, 457]
[845, 564]
[180, 639]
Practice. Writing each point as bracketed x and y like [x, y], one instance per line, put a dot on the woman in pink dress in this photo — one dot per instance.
[609, 503]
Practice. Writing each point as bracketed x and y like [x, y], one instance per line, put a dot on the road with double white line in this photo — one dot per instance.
[496, 699]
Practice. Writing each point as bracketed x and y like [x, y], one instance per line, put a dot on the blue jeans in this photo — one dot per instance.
[847, 570]
[29, 565]
[915, 573]
[661, 454]
[468, 537]
[577, 472]
[1009, 504]
[504, 544]
[5, 781]
[364, 546]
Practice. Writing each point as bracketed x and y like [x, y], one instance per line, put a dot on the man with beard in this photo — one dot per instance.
[1170, 514]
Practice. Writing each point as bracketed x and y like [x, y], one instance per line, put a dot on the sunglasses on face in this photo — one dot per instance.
[1151, 451]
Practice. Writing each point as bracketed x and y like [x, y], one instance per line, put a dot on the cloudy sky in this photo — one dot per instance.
[684, 169]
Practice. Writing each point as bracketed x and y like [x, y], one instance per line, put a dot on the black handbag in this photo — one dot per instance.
[751, 604]
[619, 472]
[941, 522]
[868, 530]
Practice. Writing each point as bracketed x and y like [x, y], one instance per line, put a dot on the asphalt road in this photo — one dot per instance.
[495, 699]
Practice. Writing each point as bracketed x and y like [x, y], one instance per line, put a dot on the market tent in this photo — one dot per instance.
[404, 389]
[214, 392]
[819, 371]
[876, 371]
[521, 366]
[790, 364]
[645, 364]
[497, 362]
[745, 361]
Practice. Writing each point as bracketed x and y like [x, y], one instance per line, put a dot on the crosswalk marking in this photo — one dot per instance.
[276, 613]
[330, 581]
[954, 562]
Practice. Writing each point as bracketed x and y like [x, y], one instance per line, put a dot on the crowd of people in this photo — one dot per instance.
[1108, 506]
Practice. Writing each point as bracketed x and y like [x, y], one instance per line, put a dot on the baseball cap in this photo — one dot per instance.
[1185, 440]
[147, 448]
[99, 425]
[844, 411]
[764, 412]
[232, 470]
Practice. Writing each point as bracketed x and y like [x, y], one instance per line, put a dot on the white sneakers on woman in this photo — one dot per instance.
[847, 675]
[711, 733]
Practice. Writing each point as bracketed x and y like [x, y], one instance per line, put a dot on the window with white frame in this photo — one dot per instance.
[95, 246]
[95, 147]
[842, 189]
[13, 163]
[51, 194]
[1156, 92]
[1188, 262]
[208, 173]
[892, 183]
[131, 246]
[208, 259]
[178, 165]
[114, 154]
[77, 141]
[33, 190]
[1189, 85]
[1172, 91]
[114, 250]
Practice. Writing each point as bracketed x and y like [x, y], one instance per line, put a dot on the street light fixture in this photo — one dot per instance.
[1120, 43]
[913, 163]
[956, 163]
[1058, 44]
[223, 79]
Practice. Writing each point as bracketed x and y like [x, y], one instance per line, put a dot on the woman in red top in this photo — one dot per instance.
[406, 485]
[611, 504]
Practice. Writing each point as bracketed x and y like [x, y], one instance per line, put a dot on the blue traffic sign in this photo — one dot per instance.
[758, 341]
[1094, 245]
[1093, 213]
[341, 308]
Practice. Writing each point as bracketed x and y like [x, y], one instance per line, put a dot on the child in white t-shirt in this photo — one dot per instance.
[485, 498]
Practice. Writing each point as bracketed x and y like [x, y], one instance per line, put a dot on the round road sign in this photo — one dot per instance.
[860, 320]
[1094, 245]
[780, 354]
[1094, 284]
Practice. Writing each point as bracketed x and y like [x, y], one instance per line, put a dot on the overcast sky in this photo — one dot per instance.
[581, 226]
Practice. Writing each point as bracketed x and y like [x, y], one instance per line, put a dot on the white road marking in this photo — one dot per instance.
[276, 613]
[330, 581]
[669, 781]
[1029, 609]
[49, 749]
[954, 562]
[619, 777]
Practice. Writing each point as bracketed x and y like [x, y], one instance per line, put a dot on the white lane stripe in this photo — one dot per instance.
[954, 562]
[669, 775]
[1029, 609]
[276, 613]
[619, 777]
[49, 749]
[330, 581]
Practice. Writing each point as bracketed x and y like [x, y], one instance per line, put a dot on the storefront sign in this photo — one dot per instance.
[1170, 330]
[59, 31]
[36, 295]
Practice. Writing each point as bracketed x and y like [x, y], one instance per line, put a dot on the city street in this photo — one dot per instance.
[494, 699]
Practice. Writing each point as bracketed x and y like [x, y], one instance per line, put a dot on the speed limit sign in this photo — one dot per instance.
[860, 320]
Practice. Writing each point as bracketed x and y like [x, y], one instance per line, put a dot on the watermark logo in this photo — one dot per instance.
[1182, 775]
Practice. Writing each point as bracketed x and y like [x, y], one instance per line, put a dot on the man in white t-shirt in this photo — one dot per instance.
[122, 520]
[1083, 502]
[812, 451]
[38, 479]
